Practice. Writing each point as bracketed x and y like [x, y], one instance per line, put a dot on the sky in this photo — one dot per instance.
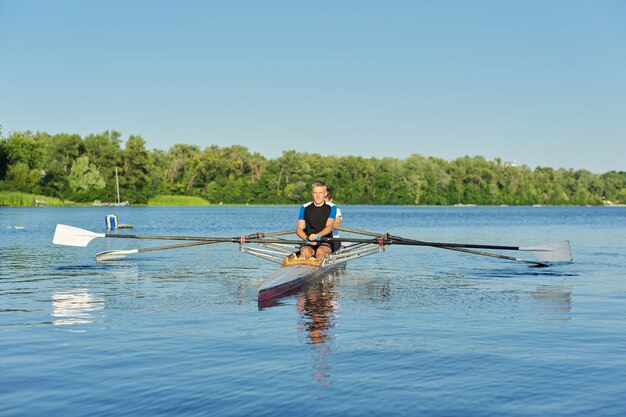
[537, 83]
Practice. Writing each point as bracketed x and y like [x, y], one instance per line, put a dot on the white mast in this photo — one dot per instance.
[117, 186]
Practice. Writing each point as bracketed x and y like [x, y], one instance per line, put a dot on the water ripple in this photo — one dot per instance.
[412, 331]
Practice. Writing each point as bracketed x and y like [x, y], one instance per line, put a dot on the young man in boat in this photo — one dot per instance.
[316, 218]
[338, 218]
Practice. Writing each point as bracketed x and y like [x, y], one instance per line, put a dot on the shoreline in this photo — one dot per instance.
[297, 204]
[18, 199]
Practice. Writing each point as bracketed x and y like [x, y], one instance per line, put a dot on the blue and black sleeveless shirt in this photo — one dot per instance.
[315, 218]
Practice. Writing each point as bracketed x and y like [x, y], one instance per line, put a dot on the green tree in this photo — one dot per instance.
[427, 179]
[288, 176]
[85, 179]
[353, 176]
[178, 174]
[294, 172]
[105, 153]
[67, 166]
[136, 179]
[25, 148]
[21, 178]
[4, 159]
[614, 187]
[22, 155]
[59, 154]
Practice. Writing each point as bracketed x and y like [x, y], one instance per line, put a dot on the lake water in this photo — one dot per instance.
[412, 331]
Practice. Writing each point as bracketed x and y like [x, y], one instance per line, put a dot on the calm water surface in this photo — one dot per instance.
[412, 331]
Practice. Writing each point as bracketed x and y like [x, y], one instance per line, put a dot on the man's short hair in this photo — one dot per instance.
[329, 193]
[318, 184]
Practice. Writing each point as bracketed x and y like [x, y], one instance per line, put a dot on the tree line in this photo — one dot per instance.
[82, 169]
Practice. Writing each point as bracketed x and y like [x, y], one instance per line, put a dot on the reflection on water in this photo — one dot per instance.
[318, 307]
[554, 298]
[75, 307]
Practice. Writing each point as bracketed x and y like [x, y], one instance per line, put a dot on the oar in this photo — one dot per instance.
[493, 255]
[556, 252]
[74, 236]
[458, 248]
[550, 252]
[119, 254]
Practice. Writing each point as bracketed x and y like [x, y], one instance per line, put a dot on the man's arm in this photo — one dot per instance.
[337, 221]
[301, 224]
[300, 229]
[325, 231]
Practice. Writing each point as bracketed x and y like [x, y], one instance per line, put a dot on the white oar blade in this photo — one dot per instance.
[114, 254]
[73, 236]
[552, 252]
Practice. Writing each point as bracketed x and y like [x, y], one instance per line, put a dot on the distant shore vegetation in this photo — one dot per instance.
[16, 198]
[177, 200]
[61, 169]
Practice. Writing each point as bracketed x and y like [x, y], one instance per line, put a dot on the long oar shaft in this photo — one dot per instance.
[559, 252]
[158, 237]
[175, 246]
[394, 240]
[388, 240]
[118, 254]
[74, 236]
[498, 256]
[458, 249]
[256, 237]
[399, 240]
[403, 241]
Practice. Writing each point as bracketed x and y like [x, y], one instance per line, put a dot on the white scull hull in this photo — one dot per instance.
[290, 277]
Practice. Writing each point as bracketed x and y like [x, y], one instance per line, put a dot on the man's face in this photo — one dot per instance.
[319, 194]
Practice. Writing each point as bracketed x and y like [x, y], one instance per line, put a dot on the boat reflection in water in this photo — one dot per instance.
[318, 308]
[75, 307]
[317, 305]
[556, 301]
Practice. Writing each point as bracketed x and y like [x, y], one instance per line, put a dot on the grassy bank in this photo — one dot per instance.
[14, 198]
[177, 200]
[18, 199]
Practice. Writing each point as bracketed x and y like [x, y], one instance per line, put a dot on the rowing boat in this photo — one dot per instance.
[294, 272]
[293, 275]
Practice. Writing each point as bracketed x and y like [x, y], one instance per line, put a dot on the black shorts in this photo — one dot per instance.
[334, 246]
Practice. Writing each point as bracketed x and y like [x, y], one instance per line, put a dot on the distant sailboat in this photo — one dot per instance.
[118, 203]
[117, 189]
[117, 186]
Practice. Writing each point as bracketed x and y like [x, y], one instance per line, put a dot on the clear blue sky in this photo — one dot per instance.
[535, 82]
